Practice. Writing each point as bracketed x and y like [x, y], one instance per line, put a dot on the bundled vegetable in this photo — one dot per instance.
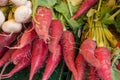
[36, 28]
[39, 55]
[85, 6]
[26, 38]
[6, 58]
[52, 62]
[80, 64]
[88, 52]
[56, 31]
[68, 45]
[20, 53]
[103, 55]
[44, 18]
[25, 62]
[93, 75]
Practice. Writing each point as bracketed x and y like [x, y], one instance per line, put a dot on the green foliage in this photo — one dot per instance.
[114, 70]
[47, 3]
[117, 23]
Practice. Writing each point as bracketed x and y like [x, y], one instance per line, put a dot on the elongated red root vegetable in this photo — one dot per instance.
[56, 31]
[26, 38]
[2, 51]
[39, 55]
[68, 45]
[52, 62]
[6, 58]
[25, 62]
[44, 17]
[103, 55]
[118, 44]
[85, 6]
[87, 49]
[20, 53]
[80, 64]
[93, 75]
[6, 40]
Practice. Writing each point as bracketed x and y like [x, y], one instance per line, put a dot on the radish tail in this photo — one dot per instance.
[3, 69]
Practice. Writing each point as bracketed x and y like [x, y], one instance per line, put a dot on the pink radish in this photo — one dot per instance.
[44, 17]
[27, 37]
[39, 55]
[87, 49]
[80, 64]
[56, 30]
[20, 53]
[86, 5]
[118, 44]
[2, 51]
[93, 75]
[6, 40]
[25, 62]
[68, 45]
[103, 55]
[6, 58]
[52, 62]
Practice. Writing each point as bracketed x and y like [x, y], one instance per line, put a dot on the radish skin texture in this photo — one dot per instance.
[103, 55]
[2, 17]
[44, 17]
[80, 64]
[26, 38]
[3, 2]
[68, 47]
[39, 55]
[52, 63]
[11, 26]
[25, 62]
[20, 53]
[6, 58]
[88, 52]
[85, 6]
[7, 40]
[2, 51]
[19, 2]
[56, 31]
[93, 75]
[22, 14]
[118, 44]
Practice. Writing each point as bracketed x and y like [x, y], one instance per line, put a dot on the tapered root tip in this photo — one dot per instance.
[4, 76]
[16, 47]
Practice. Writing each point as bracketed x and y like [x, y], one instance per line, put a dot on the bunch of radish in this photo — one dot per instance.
[37, 43]
[45, 43]
[97, 58]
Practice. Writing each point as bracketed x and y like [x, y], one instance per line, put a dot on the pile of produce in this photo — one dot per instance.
[59, 39]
